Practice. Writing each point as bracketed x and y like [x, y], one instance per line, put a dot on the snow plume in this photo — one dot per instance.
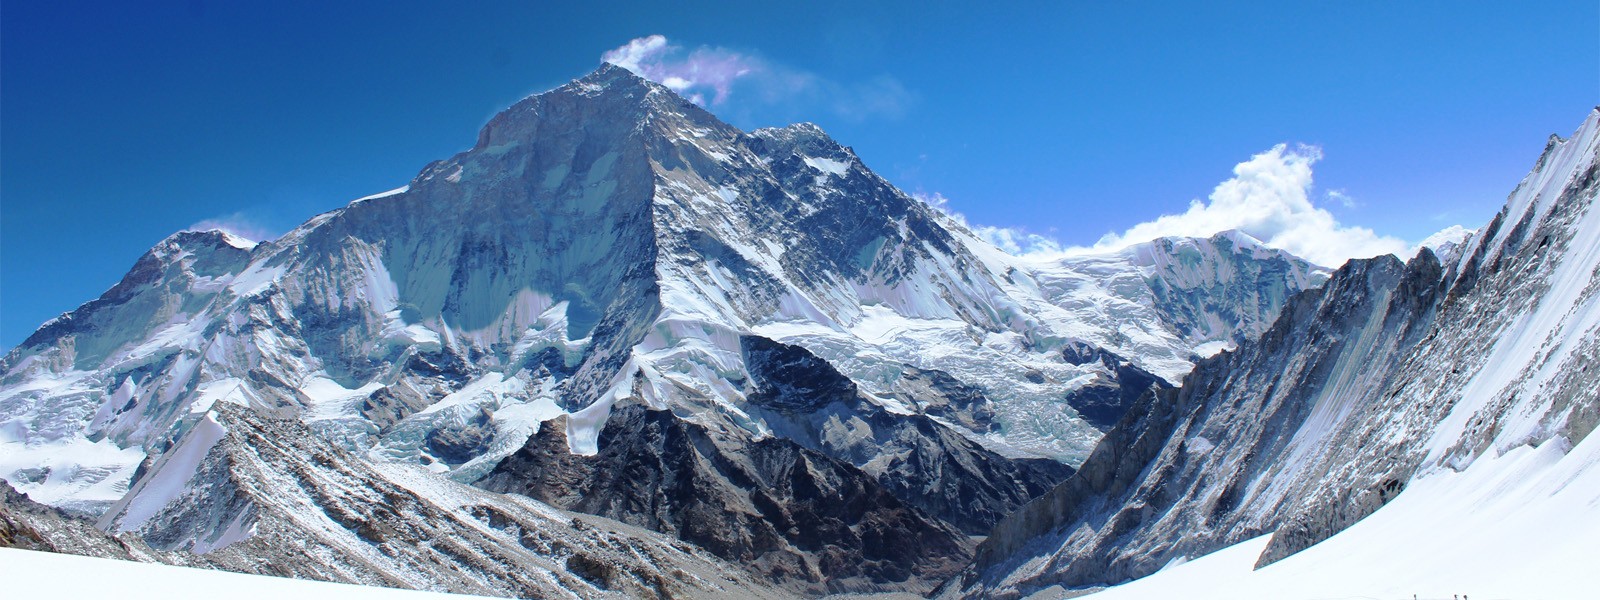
[237, 224]
[938, 202]
[758, 83]
[693, 74]
[1269, 198]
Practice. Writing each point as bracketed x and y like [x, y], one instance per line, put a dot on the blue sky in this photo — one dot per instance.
[120, 124]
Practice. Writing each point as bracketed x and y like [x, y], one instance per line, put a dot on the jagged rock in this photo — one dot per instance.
[925, 464]
[938, 394]
[790, 378]
[798, 517]
[1117, 384]
[28, 525]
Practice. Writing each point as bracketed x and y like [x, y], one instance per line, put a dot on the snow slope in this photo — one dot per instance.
[1524, 524]
[30, 574]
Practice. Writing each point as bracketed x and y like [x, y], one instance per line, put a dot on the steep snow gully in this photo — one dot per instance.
[619, 348]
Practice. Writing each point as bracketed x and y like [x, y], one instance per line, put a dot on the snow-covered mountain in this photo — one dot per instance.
[608, 244]
[243, 492]
[1391, 376]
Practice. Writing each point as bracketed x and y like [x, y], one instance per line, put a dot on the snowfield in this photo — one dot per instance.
[30, 574]
[1524, 524]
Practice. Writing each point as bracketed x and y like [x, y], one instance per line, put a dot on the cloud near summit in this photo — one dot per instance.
[739, 84]
[702, 70]
[238, 224]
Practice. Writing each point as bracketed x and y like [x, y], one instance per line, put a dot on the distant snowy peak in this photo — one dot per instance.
[1161, 303]
[1225, 288]
[1210, 257]
[187, 262]
[1446, 244]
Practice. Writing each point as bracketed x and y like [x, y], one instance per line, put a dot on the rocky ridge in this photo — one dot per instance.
[1389, 373]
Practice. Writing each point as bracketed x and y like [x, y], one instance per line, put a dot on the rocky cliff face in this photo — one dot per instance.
[1176, 477]
[794, 515]
[1389, 373]
[918, 459]
[839, 495]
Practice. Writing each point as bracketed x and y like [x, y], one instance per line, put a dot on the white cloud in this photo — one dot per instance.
[1343, 198]
[1447, 242]
[705, 69]
[1269, 198]
[237, 224]
[718, 77]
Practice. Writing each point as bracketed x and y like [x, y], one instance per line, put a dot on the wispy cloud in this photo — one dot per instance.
[1268, 197]
[700, 70]
[717, 77]
[1344, 199]
[237, 224]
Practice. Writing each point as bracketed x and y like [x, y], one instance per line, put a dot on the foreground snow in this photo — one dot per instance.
[31, 574]
[1524, 524]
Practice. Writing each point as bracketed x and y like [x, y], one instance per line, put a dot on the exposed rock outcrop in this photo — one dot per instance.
[921, 461]
[794, 515]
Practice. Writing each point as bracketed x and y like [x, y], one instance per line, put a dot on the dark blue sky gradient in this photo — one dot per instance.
[121, 123]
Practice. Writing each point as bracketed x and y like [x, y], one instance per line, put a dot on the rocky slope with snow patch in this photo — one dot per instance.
[28, 525]
[921, 461]
[246, 493]
[1389, 374]
[802, 519]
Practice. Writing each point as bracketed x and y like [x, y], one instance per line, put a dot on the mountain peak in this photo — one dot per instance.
[621, 98]
[609, 75]
[212, 236]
